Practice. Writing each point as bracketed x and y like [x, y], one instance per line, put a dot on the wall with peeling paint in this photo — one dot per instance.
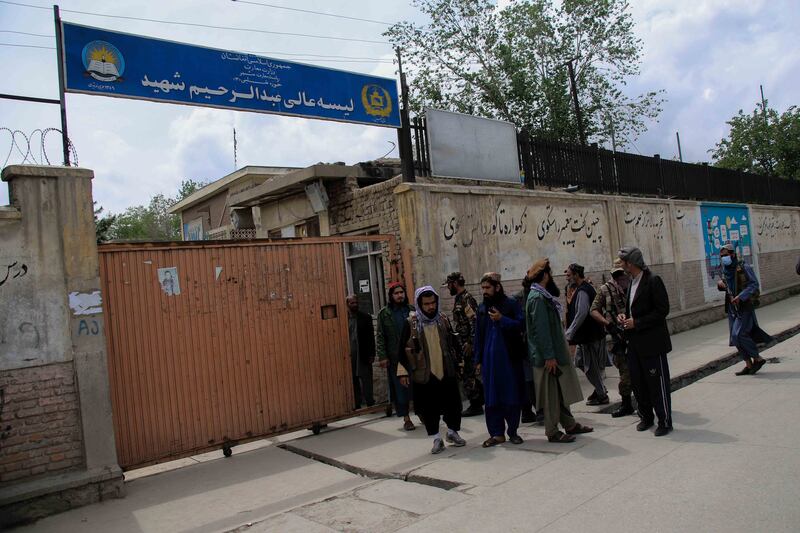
[475, 229]
[55, 412]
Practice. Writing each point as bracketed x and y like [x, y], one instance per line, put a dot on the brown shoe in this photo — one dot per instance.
[578, 429]
[561, 437]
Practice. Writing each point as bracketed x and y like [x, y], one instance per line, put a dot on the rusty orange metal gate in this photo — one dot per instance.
[212, 343]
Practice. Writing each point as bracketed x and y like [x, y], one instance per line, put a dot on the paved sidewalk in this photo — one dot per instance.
[733, 459]
[731, 465]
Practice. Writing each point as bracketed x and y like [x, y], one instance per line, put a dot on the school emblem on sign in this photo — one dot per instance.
[103, 61]
[377, 101]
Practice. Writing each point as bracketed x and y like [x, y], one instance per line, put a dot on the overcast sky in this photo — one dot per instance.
[709, 55]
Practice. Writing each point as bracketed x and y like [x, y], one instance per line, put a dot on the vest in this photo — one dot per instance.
[590, 330]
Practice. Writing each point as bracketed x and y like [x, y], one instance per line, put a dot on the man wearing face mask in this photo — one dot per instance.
[607, 305]
[741, 298]
[429, 356]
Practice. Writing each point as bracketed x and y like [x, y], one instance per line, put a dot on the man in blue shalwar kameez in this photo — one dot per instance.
[498, 354]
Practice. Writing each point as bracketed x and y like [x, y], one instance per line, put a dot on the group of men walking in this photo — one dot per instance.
[514, 356]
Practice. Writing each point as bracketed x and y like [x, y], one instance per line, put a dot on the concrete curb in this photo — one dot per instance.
[712, 367]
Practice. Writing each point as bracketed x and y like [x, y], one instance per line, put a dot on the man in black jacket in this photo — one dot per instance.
[645, 326]
[362, 352]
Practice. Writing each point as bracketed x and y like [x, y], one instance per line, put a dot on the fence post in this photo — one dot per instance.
[524, 146]
[597, 169]
[708, 182]
[662, 191]
[741, 187]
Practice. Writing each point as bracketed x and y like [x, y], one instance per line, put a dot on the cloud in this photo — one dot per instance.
[709, 55]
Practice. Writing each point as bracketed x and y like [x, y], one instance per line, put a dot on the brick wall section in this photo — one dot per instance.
[40, 430]
[777, 269]
[352, 208]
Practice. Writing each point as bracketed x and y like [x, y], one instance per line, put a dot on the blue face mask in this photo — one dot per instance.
[727, 260]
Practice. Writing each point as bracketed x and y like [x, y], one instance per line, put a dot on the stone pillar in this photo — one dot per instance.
[61, 379]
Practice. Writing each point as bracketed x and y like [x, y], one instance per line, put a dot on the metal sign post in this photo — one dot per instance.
[61, 96]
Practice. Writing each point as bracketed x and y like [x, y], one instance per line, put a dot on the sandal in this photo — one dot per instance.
[408, 425]
[757, 364]
[515, 439]
[493, 441]
[561, 437]
[578, 429]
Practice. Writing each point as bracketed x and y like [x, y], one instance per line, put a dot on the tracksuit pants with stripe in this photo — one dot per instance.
[650, 381]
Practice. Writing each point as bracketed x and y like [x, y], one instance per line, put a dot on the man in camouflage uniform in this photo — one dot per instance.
[464, 314]
[607, 305]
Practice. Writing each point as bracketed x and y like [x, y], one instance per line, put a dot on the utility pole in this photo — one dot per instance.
[574, 89]
[404, 133]
[680, 154]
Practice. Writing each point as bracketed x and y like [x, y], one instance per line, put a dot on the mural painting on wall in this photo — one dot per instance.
[722, 224]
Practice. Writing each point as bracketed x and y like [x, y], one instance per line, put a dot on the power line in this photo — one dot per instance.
[312, 12]
[28, 46]
[26, 33]
[199, 25]
[336, 59]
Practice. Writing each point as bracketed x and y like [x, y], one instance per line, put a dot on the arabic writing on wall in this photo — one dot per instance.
[771, 225]
[12, 271]
[570, 225]
[648, 220]
[504, 221]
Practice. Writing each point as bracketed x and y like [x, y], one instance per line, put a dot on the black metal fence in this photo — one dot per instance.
[554, 164]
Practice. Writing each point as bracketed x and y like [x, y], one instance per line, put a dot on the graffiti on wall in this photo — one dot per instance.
[12, 271]
[776, 231]
[505, 220]
[647, 219]
[569, 226]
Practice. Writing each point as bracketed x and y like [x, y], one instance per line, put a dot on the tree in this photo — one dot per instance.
[102, 225]
[764, 142]
[152, 222]
[511, 64]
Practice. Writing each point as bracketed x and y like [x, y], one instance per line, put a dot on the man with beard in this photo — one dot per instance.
[591, 354]
[390, 326]
[740, 284]
[362, 352]
[430, 359]
[606, 307]
[499, 351]
[529, 413]
[557, 384]
[464, 311]
[645, 325]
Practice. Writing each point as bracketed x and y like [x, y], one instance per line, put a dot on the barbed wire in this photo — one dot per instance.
[27, 149]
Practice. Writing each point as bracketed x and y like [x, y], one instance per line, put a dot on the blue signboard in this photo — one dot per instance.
[110, 63]
[722, 224]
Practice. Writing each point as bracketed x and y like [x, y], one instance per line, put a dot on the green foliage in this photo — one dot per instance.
[151, 222]
[102, 225]
[511, 64]
[766, 143]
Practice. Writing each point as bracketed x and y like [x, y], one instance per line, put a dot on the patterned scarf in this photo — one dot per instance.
[422, 318]
[549, 297]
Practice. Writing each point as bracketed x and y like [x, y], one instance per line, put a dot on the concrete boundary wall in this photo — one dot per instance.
[56, 436]
[473, 229]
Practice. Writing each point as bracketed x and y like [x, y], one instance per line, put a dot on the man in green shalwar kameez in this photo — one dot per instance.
[556, 380]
